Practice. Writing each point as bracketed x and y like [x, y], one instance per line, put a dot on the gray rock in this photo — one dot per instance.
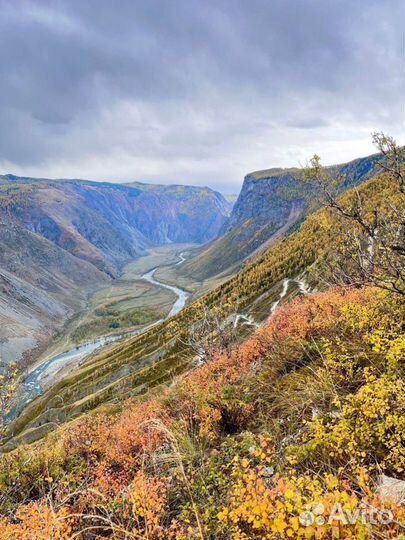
[392, 488]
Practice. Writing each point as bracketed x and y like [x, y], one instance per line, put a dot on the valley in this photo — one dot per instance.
[232, 292]
[202, 270]
[137, 291]
[220, 377]
[128, 303]
[63, 247]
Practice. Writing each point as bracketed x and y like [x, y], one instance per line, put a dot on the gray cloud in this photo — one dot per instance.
[192, 91]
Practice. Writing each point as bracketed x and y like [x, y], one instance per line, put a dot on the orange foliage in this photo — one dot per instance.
[213, 399]
[311, 314]
[147, 497]
[37, 521]
[133, 436]
[117, 441]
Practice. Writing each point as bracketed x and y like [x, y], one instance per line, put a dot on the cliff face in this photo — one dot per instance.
[270, 203]
[270, 195]
[266, 201]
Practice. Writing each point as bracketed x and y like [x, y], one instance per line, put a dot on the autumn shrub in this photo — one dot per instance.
[322, 348]
[141, 511]
[262, 503]
[37, 521]
[214, 399]
[117, 440]
[305, 412]
[308, 506]
[370, 430]
[208, 483]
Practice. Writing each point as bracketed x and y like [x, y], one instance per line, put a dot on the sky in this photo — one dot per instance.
[195, 91]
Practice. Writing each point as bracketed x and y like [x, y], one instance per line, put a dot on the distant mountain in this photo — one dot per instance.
[60, 238]
[109, 224]
[271, 203]
[178, 213]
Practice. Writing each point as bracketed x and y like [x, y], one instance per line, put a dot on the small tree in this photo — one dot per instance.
[210, 335]
[372, 246]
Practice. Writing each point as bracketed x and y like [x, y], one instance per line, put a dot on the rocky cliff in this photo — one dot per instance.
[271, 203]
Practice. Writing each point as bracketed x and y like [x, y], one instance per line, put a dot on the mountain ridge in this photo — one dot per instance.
[135, 365]
[274, 397]
[267, 201]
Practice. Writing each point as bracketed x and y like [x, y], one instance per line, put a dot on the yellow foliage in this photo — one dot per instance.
[370, 429]
[307, 506]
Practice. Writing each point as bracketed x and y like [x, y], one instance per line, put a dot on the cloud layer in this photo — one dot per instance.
[195, 91]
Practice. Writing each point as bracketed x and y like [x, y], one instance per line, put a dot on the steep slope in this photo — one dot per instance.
[241, 303]
[41, 286]
[61, 239]
[297, 432]
[271, 203]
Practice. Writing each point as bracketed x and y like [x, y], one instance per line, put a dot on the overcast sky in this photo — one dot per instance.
[195, 91]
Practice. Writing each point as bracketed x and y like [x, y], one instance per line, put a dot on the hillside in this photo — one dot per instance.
[296, 432]
[202, 270]
[271, 203]
[41, 287]
[241, 303]
[61, 239]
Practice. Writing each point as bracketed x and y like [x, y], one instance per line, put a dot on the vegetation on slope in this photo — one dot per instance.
[264, 441]
[294, 432]
[135, 365]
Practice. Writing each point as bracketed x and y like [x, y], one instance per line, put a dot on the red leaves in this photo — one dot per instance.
[123, 477]
[314, 313]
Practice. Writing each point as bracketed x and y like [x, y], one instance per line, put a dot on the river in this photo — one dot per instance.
[32, 385]
[181, 294]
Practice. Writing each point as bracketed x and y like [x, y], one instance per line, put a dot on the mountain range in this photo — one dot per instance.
[278, 269]
[61, 239]
[263, 405]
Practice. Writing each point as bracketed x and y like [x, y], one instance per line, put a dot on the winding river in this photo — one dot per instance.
[33, 384]
[181, 294]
